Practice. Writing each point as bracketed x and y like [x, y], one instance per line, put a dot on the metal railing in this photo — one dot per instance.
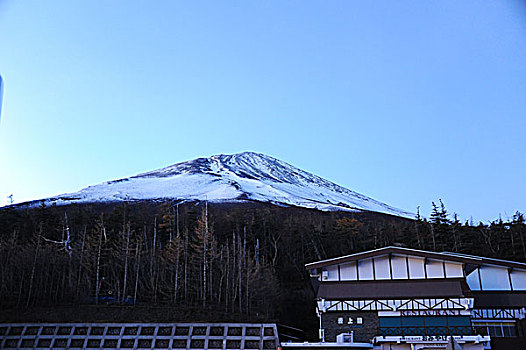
[139, 336]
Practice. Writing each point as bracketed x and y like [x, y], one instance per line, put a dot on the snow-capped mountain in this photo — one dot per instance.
[236, 177]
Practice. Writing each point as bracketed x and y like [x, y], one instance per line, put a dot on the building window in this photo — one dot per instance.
[497, 329]
[426, 325]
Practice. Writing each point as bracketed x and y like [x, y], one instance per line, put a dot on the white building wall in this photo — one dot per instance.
[411, 267]
[333, 273]
[518, 279]
[454, 270]
[416, 268]
[494, 278]
[382, 268]
[399, 266]
[348, 271]
[435, 269]
[473, 280]
[365, 269]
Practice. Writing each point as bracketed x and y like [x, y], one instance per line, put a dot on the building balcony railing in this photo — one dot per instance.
[428, 330]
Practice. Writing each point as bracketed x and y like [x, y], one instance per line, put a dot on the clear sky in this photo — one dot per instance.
[403, 101]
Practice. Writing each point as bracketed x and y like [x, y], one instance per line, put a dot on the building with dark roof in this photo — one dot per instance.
[400, 298]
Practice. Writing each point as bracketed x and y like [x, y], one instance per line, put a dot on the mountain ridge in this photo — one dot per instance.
[230, 177]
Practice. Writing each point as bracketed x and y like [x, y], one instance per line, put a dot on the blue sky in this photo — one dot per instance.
[406, 102]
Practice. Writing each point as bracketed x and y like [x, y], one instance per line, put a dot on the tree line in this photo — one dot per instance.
[232, 258]
[53, 256]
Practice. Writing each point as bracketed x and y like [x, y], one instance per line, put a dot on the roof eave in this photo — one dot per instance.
[414, 252]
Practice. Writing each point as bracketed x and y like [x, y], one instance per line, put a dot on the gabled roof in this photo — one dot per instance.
[456, 257]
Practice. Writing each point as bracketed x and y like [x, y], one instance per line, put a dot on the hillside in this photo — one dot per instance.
[229, 178]
[153, 253]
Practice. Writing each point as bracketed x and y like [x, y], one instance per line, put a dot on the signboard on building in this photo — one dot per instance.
[430, 312]
[438, 312]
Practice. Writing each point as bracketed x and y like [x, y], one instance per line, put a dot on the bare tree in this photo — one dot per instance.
[98, 281]
[34, 266]
[178, 254]
[126, 263]
[137, 269]
[81, 259]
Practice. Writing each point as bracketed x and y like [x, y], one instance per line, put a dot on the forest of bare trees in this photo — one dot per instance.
[236, 259]
[173, 257]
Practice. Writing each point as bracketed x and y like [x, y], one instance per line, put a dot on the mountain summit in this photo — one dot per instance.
[236, 177]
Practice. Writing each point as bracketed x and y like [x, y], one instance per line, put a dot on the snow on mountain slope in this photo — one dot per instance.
[242, 176]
